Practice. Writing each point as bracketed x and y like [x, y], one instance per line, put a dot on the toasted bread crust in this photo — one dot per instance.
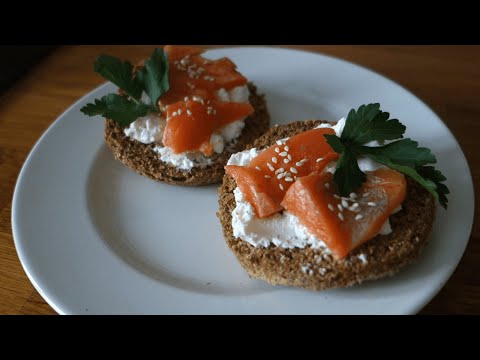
[141, 157]
[385, 255]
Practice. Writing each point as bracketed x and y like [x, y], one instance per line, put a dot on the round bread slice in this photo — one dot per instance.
[141, 157]
[314, 269]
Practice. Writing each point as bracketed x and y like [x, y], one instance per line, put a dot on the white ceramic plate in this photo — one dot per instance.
[94, 237]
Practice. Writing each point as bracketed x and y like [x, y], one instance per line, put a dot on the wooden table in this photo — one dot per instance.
[447, 78]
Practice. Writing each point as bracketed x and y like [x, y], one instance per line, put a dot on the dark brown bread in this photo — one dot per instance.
[141, 157]
[313, 268]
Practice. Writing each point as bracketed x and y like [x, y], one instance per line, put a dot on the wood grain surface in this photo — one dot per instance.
[447, 78]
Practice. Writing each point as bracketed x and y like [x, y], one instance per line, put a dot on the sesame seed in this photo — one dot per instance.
[330, 206]
[344, 203]
[175, 114]
[293, 170]
[289, 179]
[299, 164]
[336, 196]
[353, 195]
[270, 167]
[279, 171]
[286, 161]
[327, 185]
[286, 148]
[277, 150]
[283, 153]
[319, 159]
[370, 203]
[355, 205]
[281, 175]
[355, 208]
[258, 168]
[340, 208]
[189, 112]
[274, 159]
[295, 177]
[289, 157]
[310, 272]
[281, 187]
[180, 112]
[267, 177]
[185, 98]
[303, 161]
[340, 216]
[366, 194]
[359, 217]
[279, 142]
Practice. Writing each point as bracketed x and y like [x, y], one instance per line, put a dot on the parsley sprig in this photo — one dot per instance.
[368, 123]
[152, 79]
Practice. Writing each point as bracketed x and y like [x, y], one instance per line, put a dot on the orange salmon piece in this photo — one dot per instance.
[304, 153]
[191, 74]
[264, 194]
[337, 221]
[309, 145]
[190, 124]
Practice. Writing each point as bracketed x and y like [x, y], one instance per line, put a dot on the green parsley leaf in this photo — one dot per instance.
[120, 73]
[369, 123]
[403, 152]
[154, 76]
[348, 175]
[335, 143]
[116, 107]
[434, 175]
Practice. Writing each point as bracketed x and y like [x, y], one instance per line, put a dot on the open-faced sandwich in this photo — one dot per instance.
[322, 205]
[178, 116]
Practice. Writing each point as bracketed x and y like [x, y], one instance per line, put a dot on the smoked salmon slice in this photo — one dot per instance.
[265, 181]
[262, 193]
[345, 223]
[192, 74]
[190, 124]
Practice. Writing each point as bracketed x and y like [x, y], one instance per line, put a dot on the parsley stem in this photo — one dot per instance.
[136, 101]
